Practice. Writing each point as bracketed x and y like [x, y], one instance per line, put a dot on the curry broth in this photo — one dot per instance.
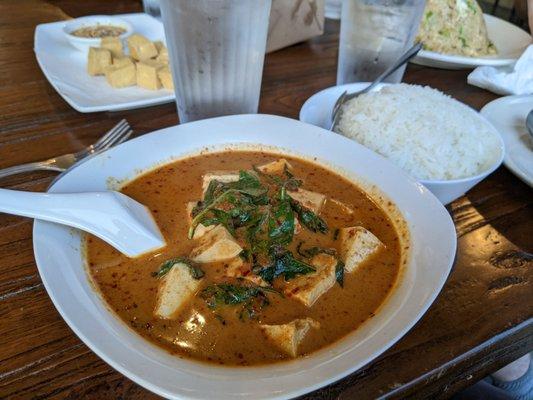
[221, 337]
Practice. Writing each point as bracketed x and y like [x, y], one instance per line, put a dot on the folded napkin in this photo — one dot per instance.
[508, 80]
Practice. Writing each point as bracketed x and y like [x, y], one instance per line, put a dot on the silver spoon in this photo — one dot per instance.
[529, 123]
[336, 112]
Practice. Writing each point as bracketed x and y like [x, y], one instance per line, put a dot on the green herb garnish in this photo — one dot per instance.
[308, 218]
[313, 251]
[195, 271]
[339, 273]
[283, 263]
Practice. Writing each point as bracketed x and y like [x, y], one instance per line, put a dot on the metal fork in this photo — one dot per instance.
[116, 135]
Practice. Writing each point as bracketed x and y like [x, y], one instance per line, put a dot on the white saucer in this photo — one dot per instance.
[508, 115]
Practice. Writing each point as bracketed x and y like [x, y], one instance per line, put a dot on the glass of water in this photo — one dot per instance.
[216, 50]
[374, 34]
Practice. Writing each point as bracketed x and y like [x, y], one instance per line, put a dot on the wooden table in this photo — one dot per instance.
[481, 320]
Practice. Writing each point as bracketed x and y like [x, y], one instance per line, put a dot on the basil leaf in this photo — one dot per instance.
[339, 273]
[195, 271]
[308, 218]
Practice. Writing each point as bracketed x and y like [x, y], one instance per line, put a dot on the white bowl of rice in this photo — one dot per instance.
[446, 145]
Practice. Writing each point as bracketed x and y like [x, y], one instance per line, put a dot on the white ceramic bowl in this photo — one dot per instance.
[83, 44]
[317, 111]
[429, 260]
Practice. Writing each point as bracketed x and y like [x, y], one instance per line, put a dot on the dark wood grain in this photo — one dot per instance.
[480, 321]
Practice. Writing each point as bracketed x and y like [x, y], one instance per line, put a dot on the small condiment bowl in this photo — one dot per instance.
[82, 43]
[317, 111]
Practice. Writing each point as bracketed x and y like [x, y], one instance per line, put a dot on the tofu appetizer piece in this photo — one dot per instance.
[221, 176]
[275, 167]
[216, 245]
[162, 52]
[177, 286]
[114, 45]
[357, 244]
[201, 229]
[141, 48]
[308, 288]
[288, 337]
[147, 74]
[165, 77]
[98, 59]
[311, 200]
[121, 73]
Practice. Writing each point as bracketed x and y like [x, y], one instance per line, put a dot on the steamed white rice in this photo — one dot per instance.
[426, 133]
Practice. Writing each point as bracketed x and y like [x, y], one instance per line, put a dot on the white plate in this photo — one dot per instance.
[508, 115]
[317, 111]
[429, 261]
[66, 70]
[510, 40]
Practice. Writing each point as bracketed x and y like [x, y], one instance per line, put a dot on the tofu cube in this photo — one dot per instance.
[357, 244]
[147, 74]
[141, 48]
[288, 337]
[121, 75]
[175, 290]
[201, 229]
[162, 52]
[221, 176]
[165, 77]
[98, 59]
[308, 288]
[216, 245]
[275, 167]
[114, 45]
[311, 200]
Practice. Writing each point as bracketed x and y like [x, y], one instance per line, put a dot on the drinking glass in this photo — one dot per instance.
[216, 50]
[374, 34]
[152, 8]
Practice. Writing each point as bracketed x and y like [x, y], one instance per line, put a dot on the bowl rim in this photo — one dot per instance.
[71, 25]
[317, 370]
[480, 175]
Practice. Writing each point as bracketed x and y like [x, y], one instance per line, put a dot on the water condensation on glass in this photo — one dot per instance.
[374, 33]
[216, 49]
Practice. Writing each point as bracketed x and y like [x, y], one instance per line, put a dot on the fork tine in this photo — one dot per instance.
[111, 138]
[118, 140]
[111, 132]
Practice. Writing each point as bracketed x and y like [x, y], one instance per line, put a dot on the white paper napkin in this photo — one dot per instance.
[508, 80]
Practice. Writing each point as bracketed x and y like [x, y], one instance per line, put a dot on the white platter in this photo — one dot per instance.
[317, 111]
[508, 115]
[510, 40]
[430, 258]
[66, 69]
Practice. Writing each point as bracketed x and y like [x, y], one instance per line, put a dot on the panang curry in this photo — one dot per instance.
[267, 259]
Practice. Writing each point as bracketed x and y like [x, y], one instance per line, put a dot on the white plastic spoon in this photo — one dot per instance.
[115, 218]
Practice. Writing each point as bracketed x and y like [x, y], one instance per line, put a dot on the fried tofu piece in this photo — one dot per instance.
[147, 74]
[216, 245]
[201, 229]
[275, 167]
[221, 176]
[311, 200]
[237, 268]
[308, 288]
[114, 45]
[288, 337]
[120, 75]
[140, 47]
[357, 244]
[165, 77]
[175, 290]
[97, 60]
[162, 52]
[122, 61]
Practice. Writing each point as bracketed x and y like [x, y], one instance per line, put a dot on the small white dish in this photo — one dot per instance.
[59, 255]
[66, 70]
[317, 111]
[510, 41]
[83, 43]
[508, 115]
